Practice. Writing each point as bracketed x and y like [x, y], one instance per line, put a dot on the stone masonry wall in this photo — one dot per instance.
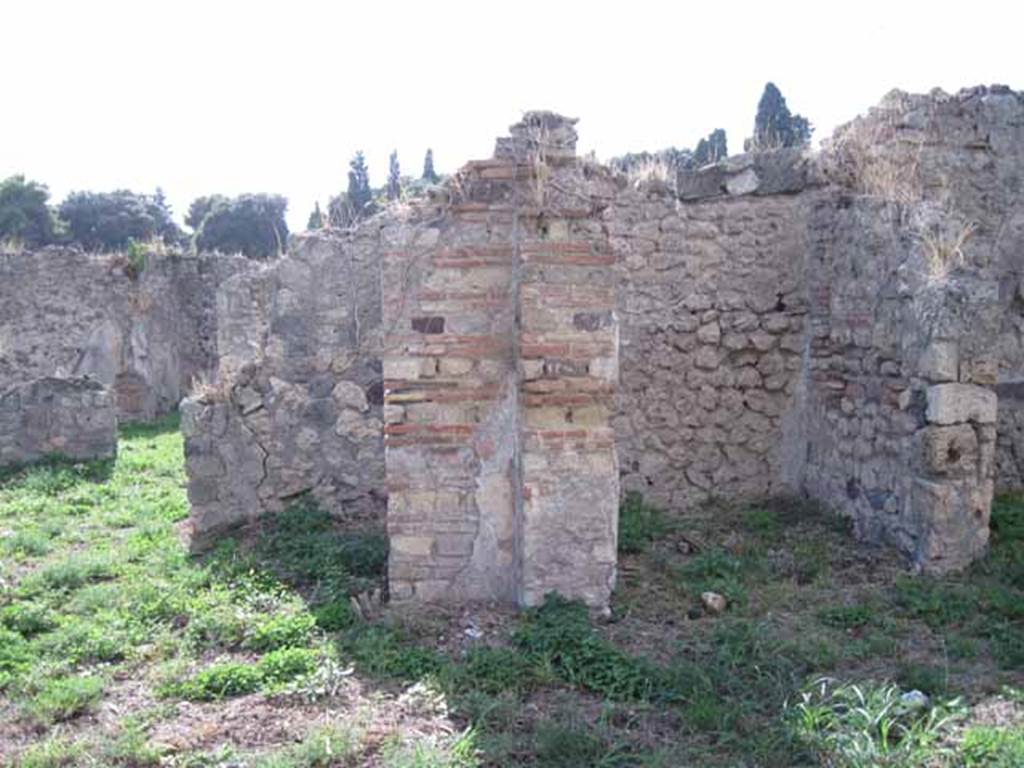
[500, 366]
[1010, 437]
[898, 435]
[74, 418]
[838, 324]
[712, 299]
[64, 312]
[296, 404]
[912, 264]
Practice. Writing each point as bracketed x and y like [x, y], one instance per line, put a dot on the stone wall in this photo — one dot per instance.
[914, 264]
[712, 299]
[74, 418]
[1010, 437]
[64, 312]
[898, 429]
[500, 365]
[837, 325]
[295, 406]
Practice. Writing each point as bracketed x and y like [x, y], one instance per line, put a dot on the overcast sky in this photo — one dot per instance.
[231, 97]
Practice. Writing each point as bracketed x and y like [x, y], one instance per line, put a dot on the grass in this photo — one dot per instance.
[864, 726]
[118, 649]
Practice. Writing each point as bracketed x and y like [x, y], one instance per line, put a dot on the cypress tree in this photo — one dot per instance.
[711, 149]
[394, 179]
[775, 126]
[428, 168]
[360, 196]
[316, 218]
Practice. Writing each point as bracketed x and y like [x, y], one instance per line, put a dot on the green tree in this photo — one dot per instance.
[712, 149]
[775, 126]
[394, 177]
[200, 208]
[316, 218]
[429, 174]
[360, 196]
[110, 220]
[24, 212]
[253, 225]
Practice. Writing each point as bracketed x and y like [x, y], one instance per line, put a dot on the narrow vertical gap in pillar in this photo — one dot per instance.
[518, 505]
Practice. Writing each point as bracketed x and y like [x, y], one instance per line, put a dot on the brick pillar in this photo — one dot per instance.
[569, 363]
[500, 363]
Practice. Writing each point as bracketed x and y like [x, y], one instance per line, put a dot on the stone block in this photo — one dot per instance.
[950, 523]
[348, 394]
[950, 451]
[940, 361]
[959, 403]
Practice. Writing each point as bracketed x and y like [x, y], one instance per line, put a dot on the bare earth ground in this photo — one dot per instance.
[117, 649]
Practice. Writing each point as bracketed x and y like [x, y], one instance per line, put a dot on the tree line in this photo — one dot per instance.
[775, 127]
[250, 224]
[254, 224]
[114, 221]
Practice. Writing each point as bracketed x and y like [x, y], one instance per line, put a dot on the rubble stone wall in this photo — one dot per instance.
[913, 265]
[713, 305]
[844, 324]
[1010, 437]
[74, 418]
[295, 406]
[64, 312]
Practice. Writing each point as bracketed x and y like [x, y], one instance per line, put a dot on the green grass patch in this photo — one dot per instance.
[385, 653]
[640, 524]
[219, 681]
[861, 726]
[848, 616]
[325, 746]
[62, 698]
[557, 636]
[988, 747]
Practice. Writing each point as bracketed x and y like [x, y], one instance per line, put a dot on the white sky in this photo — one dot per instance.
[231, 97]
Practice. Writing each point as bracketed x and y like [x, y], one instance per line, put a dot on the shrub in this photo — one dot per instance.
[218, 682]
[25, 215]
[286, 664]
[282, 632]
[335, 615]
[253, 225]
[135, 252]
[111, 220]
